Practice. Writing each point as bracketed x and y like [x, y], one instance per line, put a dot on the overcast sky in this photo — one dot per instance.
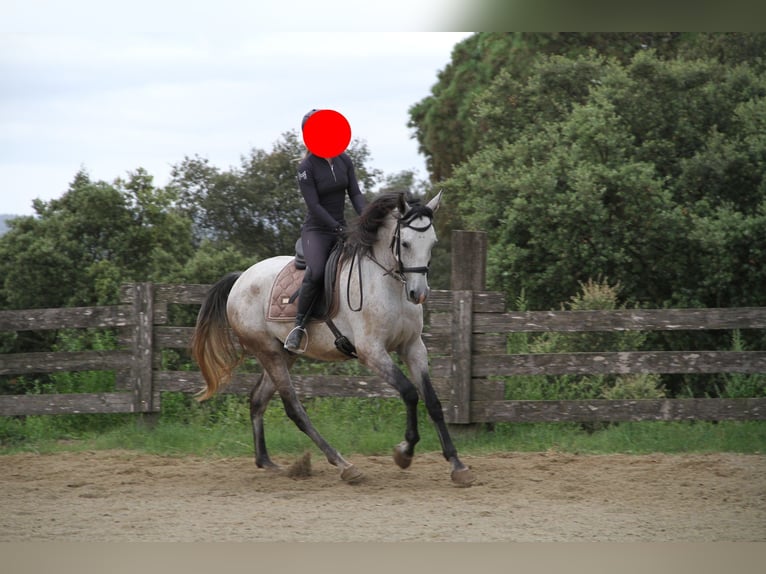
[84, 87]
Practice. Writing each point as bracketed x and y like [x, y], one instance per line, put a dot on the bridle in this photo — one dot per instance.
[396, 240]
[406, 221]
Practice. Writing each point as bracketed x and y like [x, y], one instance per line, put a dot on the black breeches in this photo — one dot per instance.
[316, 249]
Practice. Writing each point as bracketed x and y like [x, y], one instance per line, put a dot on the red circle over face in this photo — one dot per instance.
[327, 133]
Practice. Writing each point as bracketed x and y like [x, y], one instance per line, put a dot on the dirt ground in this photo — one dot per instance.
[116, 496]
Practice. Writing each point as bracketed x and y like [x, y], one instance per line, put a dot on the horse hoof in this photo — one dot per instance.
[463, 477]
[268, 466]
[351, 474]
[401, 458]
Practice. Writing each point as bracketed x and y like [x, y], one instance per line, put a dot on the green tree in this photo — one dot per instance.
[211, 261]
[77, 251]
[79, 248]
[729, 48]
[444, 122]
[649, 173]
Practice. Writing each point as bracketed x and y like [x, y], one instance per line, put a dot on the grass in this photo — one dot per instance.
[221, 428]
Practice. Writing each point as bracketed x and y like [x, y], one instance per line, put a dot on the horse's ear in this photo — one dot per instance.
[434, 203]
[402, 206]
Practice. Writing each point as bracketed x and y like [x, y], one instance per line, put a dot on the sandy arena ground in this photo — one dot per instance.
[115, 496]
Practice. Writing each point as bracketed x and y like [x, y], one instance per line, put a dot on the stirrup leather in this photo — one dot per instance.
[304, 336]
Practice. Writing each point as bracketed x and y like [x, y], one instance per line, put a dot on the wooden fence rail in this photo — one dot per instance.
[481, 395]
[466, 334]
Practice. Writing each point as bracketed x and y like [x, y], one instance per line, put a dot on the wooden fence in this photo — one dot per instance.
[466, 335]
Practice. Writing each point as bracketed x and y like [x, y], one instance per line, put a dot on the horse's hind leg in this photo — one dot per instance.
[260, 397]
[259, 400]
[276, 366]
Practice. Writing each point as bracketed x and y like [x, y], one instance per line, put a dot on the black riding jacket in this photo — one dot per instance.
[324, 186]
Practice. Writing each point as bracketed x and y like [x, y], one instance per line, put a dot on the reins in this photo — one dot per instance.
[416, 212]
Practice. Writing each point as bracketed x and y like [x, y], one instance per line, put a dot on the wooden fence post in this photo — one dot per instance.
[469, 270]
[461, 363]
[469, 261]
[141, 370]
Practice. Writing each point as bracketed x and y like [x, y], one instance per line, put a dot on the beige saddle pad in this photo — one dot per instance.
[284, 289]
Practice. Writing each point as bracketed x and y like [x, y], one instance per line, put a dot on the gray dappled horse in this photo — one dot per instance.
[384, 271]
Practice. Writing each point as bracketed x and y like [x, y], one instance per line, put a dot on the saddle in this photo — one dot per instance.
[283, 300]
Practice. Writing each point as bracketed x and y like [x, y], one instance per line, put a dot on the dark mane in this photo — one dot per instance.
[364, 231]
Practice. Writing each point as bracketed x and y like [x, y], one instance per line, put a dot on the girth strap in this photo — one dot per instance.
[341, 341]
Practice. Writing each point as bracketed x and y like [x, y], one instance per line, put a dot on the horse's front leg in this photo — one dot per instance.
[415, 356]
[381, 363]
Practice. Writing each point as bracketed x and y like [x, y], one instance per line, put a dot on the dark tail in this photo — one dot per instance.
[211, 343]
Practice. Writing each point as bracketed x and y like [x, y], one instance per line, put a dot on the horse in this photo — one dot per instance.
[384, 271]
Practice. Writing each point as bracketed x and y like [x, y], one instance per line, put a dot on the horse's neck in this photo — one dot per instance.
[383, 256]
[381, 249]
[375, 269]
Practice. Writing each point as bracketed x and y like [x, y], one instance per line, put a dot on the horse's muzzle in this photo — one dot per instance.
[418, 296]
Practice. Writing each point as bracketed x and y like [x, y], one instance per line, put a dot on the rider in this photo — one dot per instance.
[324, 183]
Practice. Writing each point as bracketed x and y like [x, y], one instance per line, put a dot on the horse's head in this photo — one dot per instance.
[398, 237]
[411, 245]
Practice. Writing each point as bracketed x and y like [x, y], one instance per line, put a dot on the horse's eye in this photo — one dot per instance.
[406, 244]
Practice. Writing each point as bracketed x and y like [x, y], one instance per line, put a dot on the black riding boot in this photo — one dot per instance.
[306, 299]
[295, 338]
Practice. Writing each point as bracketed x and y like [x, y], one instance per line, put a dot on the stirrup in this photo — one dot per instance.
[304, 336]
